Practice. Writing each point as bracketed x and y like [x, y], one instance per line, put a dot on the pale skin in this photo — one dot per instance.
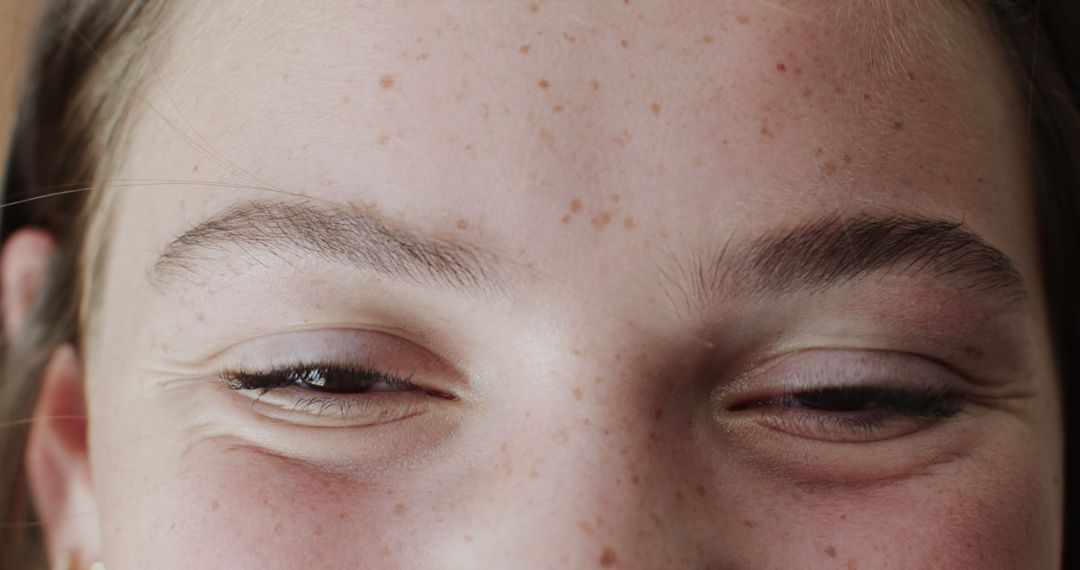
[581, 408]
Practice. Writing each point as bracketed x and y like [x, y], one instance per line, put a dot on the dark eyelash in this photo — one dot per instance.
[927, 403]
[302, 375]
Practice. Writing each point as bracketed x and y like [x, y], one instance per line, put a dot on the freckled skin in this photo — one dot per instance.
[604, 456]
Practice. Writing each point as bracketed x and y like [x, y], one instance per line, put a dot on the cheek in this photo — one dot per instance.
[970, 514]
[240, 508]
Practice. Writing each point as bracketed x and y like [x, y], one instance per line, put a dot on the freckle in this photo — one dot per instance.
[525, 48]
[708, 39]
[566, 36]
[423, 57]
[749, 524]
[700, 490]
[575, 205]
[819, 152]
[463, 224]
[829, 167]
[655, 108]
[781, 67]
[400, 509]
[765, 132]
[608, 557]
[679, 496]
[658, 414]
[214, 505]
[200, 317]
[195, 168]
[543, 83]
[386, 81]
[577, 393]
[600, 222]
[557, 108]
[831, 551]
[847, 159]
[628, 223]
[382, 139]
[624, 43]
[898, 125]
[851, 564]
[278, 528]
[534, 8]
[743, 19]
[866, 96]
[343, 516]
[911, 75]
[566, 219]
[595, 85]
[807, 92]
[533, 474]
[468, 538]
[598, 380]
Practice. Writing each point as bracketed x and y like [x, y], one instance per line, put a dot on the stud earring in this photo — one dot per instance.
[68, 563]
[65, 563]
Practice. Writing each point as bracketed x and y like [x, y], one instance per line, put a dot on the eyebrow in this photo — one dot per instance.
[345, 234]
[827, 252]
[809, 257]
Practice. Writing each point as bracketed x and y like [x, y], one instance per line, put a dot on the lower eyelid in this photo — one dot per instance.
[304, 407]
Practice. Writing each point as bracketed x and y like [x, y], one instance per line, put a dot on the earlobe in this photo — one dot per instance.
[57, 460]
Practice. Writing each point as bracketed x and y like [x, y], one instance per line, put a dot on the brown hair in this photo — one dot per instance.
[79, 94]
[86, 73]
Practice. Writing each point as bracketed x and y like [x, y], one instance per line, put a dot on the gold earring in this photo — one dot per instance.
[68, 563]
[65, 563]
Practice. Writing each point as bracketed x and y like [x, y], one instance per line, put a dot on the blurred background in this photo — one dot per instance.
[18, 19]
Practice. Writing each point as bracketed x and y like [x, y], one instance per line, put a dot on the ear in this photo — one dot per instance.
[57, 463]
[23, 263]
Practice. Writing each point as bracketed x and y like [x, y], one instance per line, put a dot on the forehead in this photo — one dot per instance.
[586, 120]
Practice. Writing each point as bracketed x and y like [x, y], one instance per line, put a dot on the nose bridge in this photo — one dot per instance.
[587, 477]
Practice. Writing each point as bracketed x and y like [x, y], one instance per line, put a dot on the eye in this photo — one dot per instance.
[854, 414]
[320, 378]
[333, 394]
[845, 396]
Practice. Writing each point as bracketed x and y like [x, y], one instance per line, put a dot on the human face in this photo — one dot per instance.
[675, 286]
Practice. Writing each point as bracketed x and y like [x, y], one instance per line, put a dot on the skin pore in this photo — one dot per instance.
[603, 241]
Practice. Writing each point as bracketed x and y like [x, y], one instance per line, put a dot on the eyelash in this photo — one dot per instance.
[302, 375]
[355, 398]
[864, 411]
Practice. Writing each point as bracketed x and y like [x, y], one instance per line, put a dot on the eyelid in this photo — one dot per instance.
[346, 347]
[268, 359]
[810, 369]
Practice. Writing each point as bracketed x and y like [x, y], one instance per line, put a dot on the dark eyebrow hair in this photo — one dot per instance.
[347, 234]
[826, 252]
